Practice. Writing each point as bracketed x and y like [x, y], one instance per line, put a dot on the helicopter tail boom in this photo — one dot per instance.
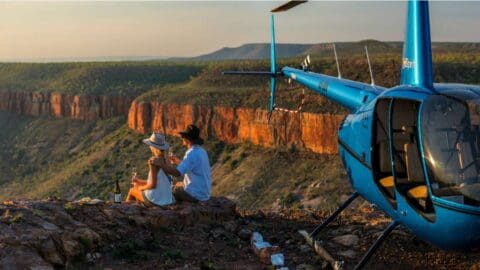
[346, 93]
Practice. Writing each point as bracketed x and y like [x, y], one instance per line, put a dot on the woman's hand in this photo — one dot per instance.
[134, 180]
[135, 184]
[151, 164]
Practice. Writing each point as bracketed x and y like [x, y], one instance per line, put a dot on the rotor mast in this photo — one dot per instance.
[417, 47]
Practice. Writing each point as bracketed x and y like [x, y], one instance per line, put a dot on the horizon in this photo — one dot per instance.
[32, 31]
[130, 58]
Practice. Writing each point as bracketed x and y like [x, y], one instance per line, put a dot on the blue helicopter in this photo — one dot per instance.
[412, 150]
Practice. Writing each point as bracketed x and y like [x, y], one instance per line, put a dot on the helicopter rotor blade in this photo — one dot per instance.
[288, 5]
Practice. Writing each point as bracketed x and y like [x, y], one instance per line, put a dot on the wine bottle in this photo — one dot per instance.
[117, 194]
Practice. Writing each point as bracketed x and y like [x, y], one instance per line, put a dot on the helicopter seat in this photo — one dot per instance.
[467, 163]
[385, 168]
[387, 182]
[419, 192]
[416, 187]
[413, 164]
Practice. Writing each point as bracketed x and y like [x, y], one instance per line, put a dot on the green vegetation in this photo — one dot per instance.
[16, 218]
[129, 251]
[73, 159]
[285, 50]
[211, 88]
[69, 208]
[86, 243]
[261, 178]
[173, 254]
[108, 78]
[70, 159]
[202, 83]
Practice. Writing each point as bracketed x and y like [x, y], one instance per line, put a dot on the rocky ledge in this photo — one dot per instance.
[54, 233]
[57, 234]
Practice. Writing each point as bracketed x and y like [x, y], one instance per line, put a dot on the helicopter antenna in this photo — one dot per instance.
[370, 67]
[306, 63]
[336, 60]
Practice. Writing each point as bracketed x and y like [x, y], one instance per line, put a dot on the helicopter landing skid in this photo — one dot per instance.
[316, 245]
[377, 243]
[338, 265]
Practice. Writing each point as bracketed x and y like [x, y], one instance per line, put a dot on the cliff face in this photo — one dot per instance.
[81, 107]
[316, 132]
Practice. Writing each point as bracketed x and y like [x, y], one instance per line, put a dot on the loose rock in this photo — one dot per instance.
[347, 240]
[245, 234]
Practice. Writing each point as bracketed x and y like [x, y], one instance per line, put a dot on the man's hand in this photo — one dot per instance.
[156, 161]
[174, 160]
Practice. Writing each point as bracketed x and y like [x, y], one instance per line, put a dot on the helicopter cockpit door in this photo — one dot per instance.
[409, 178]
[396, 159]
[381, 157]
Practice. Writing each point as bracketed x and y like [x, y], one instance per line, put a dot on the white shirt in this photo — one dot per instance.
[197, 175]
[162, 193]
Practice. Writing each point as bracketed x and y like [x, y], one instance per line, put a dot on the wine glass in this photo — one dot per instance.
[134, 171]
[170, 155]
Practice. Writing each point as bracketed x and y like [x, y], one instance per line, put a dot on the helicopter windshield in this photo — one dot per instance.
[451, 143]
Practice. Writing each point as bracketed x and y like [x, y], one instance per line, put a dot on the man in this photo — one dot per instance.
[195, 168]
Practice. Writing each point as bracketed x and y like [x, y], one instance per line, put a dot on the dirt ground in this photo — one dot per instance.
[225, 246]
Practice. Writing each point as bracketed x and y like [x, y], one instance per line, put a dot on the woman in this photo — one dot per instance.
[156, 190]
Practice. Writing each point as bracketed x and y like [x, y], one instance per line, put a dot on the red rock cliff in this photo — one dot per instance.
[82, 107]
[316, 132]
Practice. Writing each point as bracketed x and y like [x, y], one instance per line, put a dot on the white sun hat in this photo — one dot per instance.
[158, 141]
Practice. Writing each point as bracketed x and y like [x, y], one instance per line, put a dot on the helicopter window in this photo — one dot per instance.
[451, 140]
[403, 119]
[408, 170]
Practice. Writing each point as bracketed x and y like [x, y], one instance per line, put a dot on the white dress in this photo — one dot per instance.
[162, 193]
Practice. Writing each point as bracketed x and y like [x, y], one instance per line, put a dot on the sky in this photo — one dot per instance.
[76, 29]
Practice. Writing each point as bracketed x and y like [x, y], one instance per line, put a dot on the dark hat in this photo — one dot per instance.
[192, 133]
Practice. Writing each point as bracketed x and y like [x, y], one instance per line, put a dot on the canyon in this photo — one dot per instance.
[80, 107]
[314, 132]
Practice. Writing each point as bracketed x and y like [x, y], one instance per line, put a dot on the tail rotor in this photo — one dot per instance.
[273, 73]
[273, 67]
